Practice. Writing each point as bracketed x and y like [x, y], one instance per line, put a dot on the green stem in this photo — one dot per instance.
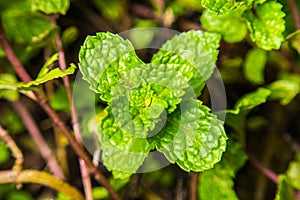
[42, 178]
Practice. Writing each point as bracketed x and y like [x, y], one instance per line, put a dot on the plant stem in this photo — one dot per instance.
[16, 152]
[75, 124]
[12, 57]
[56, 119]
[194, 186]
[295, 13]
[43, 178]
[38, 139]
[266, 171]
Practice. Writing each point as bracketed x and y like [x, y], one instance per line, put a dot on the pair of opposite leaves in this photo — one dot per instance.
[154, 106]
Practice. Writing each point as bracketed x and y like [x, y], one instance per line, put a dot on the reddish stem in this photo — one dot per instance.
[55, 118]
[266, 171]
[295, 13]
[36, 134]
[194, 186]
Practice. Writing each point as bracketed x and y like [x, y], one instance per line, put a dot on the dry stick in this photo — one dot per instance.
[16, 152]
[87, 185]
[55, 118]
[194, 185]
[38, 139]
[295, 12]
[42, 178]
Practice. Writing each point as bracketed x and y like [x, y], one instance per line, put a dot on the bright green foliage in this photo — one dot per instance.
[144, 93]
[198, 49]
[251, 100]
[221, 6]
[52, 74]
[122, 153]
[284, 189]
[59, 101]
[254, 66]
[50, 6]
[103, 60]
[217, 183]
[8, 86]
[193, 137]
[294, 40]
[284, 90]
[293, 172]
[142, 96]
[266, 25]
[231, 25]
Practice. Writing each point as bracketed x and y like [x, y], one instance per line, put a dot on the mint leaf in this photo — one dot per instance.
[231, 25]
[251, 100]
[53, 74]
[284, 189]
[197, 48]
[221, 6]
[50, 6]
[193, 137]
[122, 153]
[143, 94]
[254, 65]
[217, 183]
[24, 26]
[103, 59]
[266, 25]
[293, 172]
[284, 90]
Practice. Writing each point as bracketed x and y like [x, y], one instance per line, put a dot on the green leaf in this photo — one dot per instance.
[143, 33]
[293, 173]
[224, 6]
[50, 6]
[284, 90]
[53, 74]
[294, 40]
[254, 65]
[193, 137]
[122, 153]
[24, 26]
[266, 25]
[103, 60]
[101, 192]
[143, 94]
[59, 101]
[8, 87]
[4, 153]
[284, 189]
[12, 122]
[197, 48]
[231, 25]
[217, 183]
[251, 100]
[44, 70]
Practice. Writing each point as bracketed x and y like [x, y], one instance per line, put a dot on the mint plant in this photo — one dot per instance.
[140, 96]
[164, 103]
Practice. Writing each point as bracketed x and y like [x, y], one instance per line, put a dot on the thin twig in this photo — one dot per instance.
[39, 140]
[16, 152]
[295, 12]
[42, 178]
[12, 57]
[194, 186]
[78, 149]
[266, 171]
[75, 124]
